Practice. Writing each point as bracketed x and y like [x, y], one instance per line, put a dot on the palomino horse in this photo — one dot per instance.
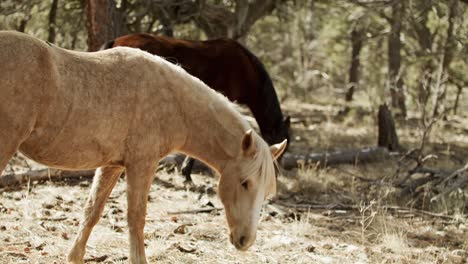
[226, 66]
[125, 109]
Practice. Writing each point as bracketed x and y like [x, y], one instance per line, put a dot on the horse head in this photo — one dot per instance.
[246, 181]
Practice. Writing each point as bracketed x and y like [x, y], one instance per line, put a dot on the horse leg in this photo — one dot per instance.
[139, 179]
[9, 143]
[8, 150]
[186, 169]
[103, 183]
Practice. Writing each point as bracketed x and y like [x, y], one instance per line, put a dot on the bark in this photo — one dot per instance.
[103, 22]
[394, 58]
[356, 46]
[387, 133]
[52, 21]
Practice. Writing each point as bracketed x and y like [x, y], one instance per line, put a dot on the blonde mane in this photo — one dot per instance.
[263, 165]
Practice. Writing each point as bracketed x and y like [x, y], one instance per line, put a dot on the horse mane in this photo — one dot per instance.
[109, 44]
[272, 104]
[261, 164]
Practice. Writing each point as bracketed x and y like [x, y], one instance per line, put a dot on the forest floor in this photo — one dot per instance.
[319, 215]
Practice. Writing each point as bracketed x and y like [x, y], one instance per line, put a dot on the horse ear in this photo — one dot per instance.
[278, 149]
[248, 144]
[287, 122]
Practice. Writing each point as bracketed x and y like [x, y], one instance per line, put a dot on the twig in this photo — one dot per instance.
[15, 254]
[52, 219]
[97, 259]
[362, 178]
[196, 211]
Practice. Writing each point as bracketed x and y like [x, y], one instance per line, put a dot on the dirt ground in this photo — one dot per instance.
[319, 216]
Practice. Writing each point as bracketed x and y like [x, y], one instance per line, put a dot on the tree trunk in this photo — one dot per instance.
[356, 46]
[22, 25]
[103, 22]
[167, 27]
[218, 21]
[387, 133]
[425, 39]
[52, 21]
[394, 58]
[448, 51]
[457, 99]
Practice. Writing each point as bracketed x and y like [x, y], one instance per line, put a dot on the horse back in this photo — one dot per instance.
[220, 63]
[78, 110]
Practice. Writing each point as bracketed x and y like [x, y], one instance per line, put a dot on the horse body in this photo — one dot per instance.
[75, 109]
[124, 109]
[225, 66]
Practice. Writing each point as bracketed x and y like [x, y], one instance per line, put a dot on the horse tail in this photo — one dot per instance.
[109, 44]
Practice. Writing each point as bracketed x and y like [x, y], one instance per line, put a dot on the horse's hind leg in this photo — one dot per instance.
[6, 153]
[139, 180]
[9, 144]
[103, 183]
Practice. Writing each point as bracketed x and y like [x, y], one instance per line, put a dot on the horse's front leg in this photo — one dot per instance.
[186, 168]
[103, 183]
[139, 179]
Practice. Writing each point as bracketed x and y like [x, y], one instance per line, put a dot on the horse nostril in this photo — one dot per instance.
[241, 241]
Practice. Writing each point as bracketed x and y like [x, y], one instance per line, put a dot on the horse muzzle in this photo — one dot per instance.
[242, 242]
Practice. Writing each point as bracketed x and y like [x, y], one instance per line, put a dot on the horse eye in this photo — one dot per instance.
[245, 184]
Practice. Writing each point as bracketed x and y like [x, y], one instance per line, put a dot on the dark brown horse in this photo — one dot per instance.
[225, 66]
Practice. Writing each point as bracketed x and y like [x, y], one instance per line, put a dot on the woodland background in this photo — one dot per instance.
[333, 64]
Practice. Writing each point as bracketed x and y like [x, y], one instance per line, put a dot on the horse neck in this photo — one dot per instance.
[214, 129]
[264, 103]
[267, 113]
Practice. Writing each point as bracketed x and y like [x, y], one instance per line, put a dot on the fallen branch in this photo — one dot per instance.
[365, 155]
[436, 177]
[458, 184]
[397, 209]
[41, 175]
[455, 174]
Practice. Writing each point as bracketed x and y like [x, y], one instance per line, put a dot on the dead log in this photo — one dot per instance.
[289, 161]
[354, 156]
[387, 133]
[58, 175]
[41, 175]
